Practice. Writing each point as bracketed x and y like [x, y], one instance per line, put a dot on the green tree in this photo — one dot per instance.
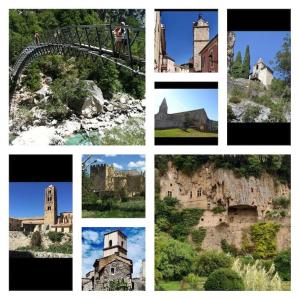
[173, 259]
[283, 60]
[246, 63]
[237, 66]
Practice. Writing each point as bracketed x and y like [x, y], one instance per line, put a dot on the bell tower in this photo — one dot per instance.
[115, 242]
[50, 208]
[163, 109]
[200, 40]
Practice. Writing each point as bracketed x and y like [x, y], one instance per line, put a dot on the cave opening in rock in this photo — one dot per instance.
[242, 214]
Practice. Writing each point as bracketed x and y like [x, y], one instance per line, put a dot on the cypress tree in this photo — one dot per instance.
[246, 63]
[237, 67]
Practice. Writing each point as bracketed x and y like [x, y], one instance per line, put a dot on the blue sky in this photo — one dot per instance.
[92, 246]
[179, 31]
[180, 100]
[264, 44]
[121, 162]
[26, 199]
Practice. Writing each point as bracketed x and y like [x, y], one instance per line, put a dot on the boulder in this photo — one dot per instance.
[48, 80]
[43, 92]
[93, 104]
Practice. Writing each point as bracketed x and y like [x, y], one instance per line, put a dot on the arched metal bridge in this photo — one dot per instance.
[90, 40]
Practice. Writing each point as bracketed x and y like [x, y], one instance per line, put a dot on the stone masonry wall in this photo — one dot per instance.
[121, 271]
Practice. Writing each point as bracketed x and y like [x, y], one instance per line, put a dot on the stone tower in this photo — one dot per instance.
[200, 40]
[115, 243]
[163, 109]
[50, 209]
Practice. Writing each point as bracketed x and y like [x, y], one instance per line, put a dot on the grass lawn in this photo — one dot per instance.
[177, 132]
[177, 285]
[113, 214]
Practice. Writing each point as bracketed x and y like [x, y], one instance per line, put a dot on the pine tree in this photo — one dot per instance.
[237, 67]
[246, 63]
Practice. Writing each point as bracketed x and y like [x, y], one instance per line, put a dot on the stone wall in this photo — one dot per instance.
[122, 271]
[15, 224]
[198, 119]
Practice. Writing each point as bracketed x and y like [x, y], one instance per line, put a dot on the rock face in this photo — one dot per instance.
[93, 104]
[244, 201]
[230, 47]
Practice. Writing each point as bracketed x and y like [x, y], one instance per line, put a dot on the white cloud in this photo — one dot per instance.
[99, 160]
[136, 251]
[88, 260]
[90, 236]
[136, 164]
[117, 166]
[110, 155]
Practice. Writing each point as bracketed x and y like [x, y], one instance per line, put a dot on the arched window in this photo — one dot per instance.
[110, 243]
[191, 194]
[169, 194]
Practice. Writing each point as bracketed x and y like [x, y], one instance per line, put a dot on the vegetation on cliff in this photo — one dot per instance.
[242, 165]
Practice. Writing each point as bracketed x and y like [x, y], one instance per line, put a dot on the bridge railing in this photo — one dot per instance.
[101, 38]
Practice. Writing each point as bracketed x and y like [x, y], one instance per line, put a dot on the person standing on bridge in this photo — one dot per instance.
[117, 32]
[37, 38]
[124, 35]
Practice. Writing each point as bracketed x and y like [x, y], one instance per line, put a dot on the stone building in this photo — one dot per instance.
[241, 202]
[198, 119]
[106, 178]
[209, 56]
[50, 221]
[114, 270]
[205, 50]
[262, 73]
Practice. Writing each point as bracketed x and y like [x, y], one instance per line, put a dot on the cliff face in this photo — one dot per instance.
[244, 201]
[209, 187]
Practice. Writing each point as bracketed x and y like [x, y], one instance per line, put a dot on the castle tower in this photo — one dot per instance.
[200, 40]
[163, 109]
[115, 243]
[50, 208]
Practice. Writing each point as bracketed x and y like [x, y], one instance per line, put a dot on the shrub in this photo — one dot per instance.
[235, 99]
[55, 236]
[281, 202]
[33, 80]
[65, 248]
[131, 133]
[263, 236]
[218, 209]
[71, 92]
[283, 264]
[251, 113]
[210, 261]
[198, 235]
[228, 248]
[257, 277]
[173, 259]
[36, 239]
[132, 205]
[224, 279]
[192, 280]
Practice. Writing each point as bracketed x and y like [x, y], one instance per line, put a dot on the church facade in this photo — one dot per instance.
[114, 270]
[197, 119]
[50, 221]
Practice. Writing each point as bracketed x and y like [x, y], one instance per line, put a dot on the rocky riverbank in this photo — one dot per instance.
[31, 123]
